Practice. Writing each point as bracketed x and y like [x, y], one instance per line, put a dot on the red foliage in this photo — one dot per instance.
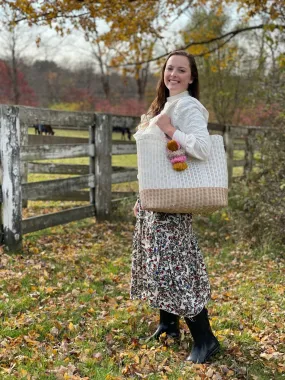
[81, 96]
[126, 107]
[261, 115]
[88, 102]
[27, 96]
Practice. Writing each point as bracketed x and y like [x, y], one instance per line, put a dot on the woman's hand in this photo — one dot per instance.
[136, 208]
[164, 123]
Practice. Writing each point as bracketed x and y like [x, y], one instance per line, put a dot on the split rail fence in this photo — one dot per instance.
[19, 153]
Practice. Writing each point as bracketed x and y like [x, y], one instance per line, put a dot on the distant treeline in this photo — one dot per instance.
[46, 84]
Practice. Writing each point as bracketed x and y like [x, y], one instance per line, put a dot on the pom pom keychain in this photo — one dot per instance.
[176, 155]
[173, 145]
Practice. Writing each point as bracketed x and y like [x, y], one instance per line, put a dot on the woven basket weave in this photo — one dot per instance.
[202, 188]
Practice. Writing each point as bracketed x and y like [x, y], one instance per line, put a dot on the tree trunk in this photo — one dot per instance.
[142, 77]
[14, 74]
[105, 80]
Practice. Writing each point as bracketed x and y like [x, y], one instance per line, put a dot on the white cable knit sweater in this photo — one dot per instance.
[190, 118]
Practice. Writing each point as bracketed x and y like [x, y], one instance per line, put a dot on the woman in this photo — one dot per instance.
[167, 267]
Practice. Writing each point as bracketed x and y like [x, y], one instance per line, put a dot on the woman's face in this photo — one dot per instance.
[177, 74]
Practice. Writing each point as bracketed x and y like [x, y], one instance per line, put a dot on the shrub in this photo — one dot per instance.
[257, 204]
[256, 212]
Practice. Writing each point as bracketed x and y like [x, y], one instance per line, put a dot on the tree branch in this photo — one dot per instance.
[215, 48]
[46, 16]
[231, 35]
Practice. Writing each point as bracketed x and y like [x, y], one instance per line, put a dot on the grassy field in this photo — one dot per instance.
[66, 313]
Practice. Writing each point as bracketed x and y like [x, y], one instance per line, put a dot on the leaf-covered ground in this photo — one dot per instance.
[66, 313]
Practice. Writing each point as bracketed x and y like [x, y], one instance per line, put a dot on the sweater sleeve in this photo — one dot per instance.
[190, 119]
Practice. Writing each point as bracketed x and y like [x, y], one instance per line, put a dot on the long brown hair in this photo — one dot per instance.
[163, 92]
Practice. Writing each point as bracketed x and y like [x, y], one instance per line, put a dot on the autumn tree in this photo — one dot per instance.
[264, 87]
[218, 63]
[14, 41]
[139, 48]
[100, 56]
[126, 18]
[7, 96]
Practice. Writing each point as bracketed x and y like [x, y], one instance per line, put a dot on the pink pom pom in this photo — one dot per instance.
[178, 159]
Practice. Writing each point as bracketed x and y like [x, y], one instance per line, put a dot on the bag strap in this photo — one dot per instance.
[171, 105]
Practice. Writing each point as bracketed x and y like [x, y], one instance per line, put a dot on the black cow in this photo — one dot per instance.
[123, 131]
[43, 128]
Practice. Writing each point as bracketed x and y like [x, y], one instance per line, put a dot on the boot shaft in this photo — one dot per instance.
[200, 327]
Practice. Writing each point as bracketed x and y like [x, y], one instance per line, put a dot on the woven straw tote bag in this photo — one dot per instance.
[200, 189]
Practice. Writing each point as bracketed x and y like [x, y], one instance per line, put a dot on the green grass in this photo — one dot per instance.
[74, 133]
[65, 307]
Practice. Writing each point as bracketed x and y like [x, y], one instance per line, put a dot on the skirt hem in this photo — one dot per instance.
[132, 297]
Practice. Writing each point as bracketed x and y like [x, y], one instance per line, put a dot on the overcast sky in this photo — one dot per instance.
[71, 50]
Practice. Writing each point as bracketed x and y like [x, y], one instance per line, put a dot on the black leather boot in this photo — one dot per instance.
[205, 343]
[169, 324]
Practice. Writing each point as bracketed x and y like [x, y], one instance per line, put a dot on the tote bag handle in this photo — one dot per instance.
[153, 128]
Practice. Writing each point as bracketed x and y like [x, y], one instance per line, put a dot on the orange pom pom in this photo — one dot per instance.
[179, 166]
[172, 145]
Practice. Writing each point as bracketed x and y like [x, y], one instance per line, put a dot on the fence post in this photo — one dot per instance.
[228, 141]
[103, 166]
[11, 177]
[249, 153]
[92, 163]
[24, 140]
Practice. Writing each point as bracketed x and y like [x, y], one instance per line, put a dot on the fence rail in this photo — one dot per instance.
[43, 152]
[19, 150]
[38, 190]
[124, 148]
[51, 168]
[37, 223]
[55, 140]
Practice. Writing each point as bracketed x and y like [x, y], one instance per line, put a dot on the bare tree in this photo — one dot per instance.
[102, 56]
[14, 42]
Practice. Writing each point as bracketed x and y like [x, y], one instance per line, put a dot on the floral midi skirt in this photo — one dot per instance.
[168, 268]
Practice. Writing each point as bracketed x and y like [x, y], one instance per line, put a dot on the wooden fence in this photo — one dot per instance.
[19, 151]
